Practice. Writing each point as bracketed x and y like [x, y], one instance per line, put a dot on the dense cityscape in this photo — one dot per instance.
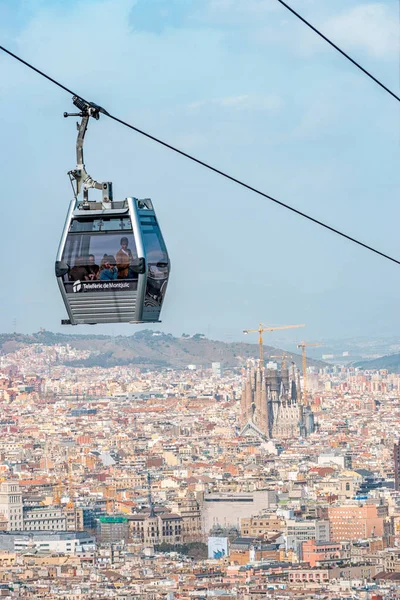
[205, 481]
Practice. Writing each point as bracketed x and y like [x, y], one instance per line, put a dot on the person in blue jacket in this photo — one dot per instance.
[108, 269]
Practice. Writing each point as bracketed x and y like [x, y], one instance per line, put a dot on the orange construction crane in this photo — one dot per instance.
[303, 347]
[261, 330]
[283, 357]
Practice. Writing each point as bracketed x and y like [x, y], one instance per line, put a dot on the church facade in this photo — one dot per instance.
[270, 404]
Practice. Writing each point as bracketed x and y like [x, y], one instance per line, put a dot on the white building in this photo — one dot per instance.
[216, 369]
[11, 505]
[227, 509]
[334, 458]
[46, 518]
[64, 542]
[300, 531]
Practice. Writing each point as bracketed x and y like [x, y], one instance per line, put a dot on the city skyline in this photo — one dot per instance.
[127, 465]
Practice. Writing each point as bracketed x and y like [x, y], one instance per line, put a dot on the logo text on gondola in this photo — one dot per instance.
[105, 285]
[100, 286]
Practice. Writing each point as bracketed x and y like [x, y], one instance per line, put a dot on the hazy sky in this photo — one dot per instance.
[243, 85]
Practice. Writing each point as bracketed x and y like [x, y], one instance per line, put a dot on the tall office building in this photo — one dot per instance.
[269, 405]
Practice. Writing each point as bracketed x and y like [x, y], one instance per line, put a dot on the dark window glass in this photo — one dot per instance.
[154, 245]
[157, 264]
[103, 257]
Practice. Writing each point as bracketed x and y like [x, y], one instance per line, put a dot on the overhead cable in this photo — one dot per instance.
[355, 63]
[21, 60]
[210, 167]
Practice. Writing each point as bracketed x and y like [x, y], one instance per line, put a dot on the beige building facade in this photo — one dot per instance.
[11, 505]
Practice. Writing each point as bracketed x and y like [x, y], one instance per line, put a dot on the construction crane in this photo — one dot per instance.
[282, 357]
[303, 347]
[261, 330]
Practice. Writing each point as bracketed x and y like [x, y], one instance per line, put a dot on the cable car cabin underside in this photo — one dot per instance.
[112, 265]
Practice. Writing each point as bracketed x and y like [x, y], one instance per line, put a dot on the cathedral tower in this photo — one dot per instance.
[269, 407]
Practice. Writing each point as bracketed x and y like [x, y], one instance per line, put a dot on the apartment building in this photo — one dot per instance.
[317, 553]
[52, 518]
[165, 528]
[353, 522]
[261, 526]
[299, 531]
[46, 518]
[112, 529]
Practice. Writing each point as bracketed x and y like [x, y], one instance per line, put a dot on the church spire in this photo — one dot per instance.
[150, 499]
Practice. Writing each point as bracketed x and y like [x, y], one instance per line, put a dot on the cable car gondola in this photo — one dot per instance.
[112, 264]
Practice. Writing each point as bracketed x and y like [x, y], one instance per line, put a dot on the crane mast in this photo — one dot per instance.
[303, 347]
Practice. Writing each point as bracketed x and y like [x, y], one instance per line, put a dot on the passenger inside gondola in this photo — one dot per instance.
[87, 253]
[108, 269]
[91, 268]
[124, 258]
[78, 271]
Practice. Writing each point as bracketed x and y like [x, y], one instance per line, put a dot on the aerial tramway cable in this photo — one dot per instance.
[218, 171]
[342, 52]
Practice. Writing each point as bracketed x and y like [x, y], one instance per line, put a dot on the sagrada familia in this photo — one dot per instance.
[271, 406]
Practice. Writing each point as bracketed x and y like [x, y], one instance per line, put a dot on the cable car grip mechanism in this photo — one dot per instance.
[83, 181]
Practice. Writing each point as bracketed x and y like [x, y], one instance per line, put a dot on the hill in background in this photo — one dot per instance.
[390, 362]
[148, 349]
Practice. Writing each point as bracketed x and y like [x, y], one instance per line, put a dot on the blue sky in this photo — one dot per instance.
[245, 86]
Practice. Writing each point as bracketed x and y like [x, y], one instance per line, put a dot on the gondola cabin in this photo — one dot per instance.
[112, 264]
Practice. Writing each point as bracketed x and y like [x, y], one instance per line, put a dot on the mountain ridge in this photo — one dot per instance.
[148, 348]
[391, 362]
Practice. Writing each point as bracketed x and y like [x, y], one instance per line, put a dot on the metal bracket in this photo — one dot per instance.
[83, 181]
